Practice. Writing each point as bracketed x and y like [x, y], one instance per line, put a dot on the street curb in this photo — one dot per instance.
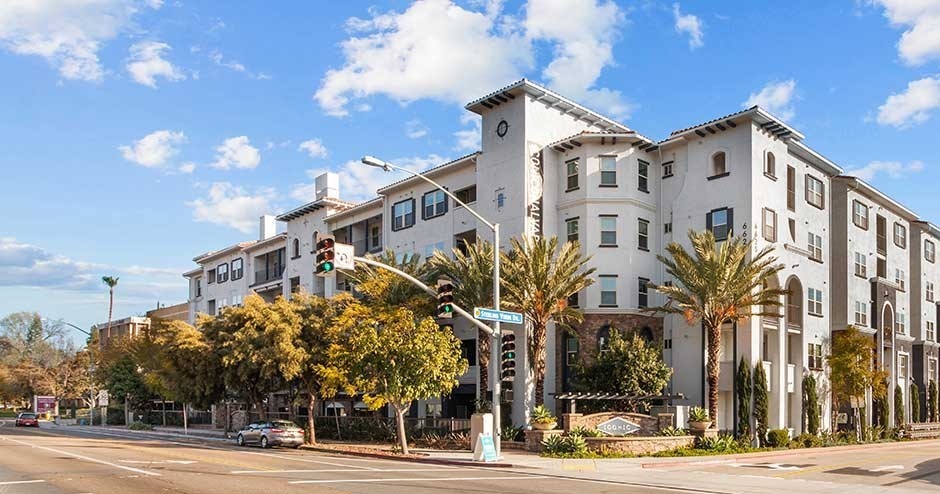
[782, 452]
[432, 461]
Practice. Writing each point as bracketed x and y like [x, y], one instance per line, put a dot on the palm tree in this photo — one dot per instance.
[537, 280]
[383, 288]
[718, 284]
[111, 281]
[471, 271]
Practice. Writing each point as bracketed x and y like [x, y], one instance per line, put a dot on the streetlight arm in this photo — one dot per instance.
[373, 161]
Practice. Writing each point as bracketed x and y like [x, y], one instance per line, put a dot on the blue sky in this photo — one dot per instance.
[139, 133]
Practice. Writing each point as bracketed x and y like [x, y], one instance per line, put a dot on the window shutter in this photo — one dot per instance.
[446, 203]
[730, 222]
[708, 221]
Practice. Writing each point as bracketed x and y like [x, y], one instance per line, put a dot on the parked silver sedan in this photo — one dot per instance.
[273, 433]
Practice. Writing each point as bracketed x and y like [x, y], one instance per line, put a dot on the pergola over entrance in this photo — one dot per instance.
[572, 398]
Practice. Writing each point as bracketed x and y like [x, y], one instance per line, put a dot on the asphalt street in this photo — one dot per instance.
[66, 460]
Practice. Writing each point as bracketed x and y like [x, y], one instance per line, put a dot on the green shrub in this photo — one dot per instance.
[811, 404]
[582, 431]
[932, 411]
[542, 415]
[898, 407]
[140, 426]
[806, 440]
[778, 438]
[698, 414]
[722, 443]
[673, 431]
[564, 445]
[743, 388]
[511, 433]
[761, 403]
[915, 403]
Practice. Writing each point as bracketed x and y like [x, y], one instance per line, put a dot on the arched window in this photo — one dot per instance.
[719, 164]
[646, 333]
[603, 337]
[770, 165]
[313, 243]
[296, 247]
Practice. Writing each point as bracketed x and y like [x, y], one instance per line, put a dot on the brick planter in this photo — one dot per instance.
[639, 445]
[533, 439]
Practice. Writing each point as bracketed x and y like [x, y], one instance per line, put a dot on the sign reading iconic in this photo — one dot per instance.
[618, 426]
[497, 315]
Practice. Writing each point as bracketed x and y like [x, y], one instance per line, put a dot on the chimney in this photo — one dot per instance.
[268, 227]
[327, 185]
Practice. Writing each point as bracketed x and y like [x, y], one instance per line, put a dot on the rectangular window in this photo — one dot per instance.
[433, 204]
[667, 227]
[238, 269]
[572, 170]
[814, 356]
[643, 176]
[198, 282]
[815, 192]
[815, 301]
[791, 225]
[900, 235]
[403, 214]
[643, 297]
[930, 251]
[899, 278]
[901, 322]
[861, 265]
[608, 171]
[643, 234]
[571, 351]
[667, 169]
[571, 229]
[467, 195]
[791, 188]
[574, 300]
[210, 307]
[861, 314]
[430, 249]
[931, 331]
[929, 290]
[860, 215]
[815, 247]
[221, 273]
[608, 290]
[902, 367]
[770, 225]
[375, 237]
[609, 231]
[719, 222]
[210, 277]
[932, 369]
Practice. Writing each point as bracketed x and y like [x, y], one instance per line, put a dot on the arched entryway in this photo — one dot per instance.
[792, 370]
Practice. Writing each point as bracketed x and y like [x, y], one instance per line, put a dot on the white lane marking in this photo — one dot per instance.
[335, 470]
[18, 482]
[160, 462]
[887, 468]
[82, 457]
[442, 479]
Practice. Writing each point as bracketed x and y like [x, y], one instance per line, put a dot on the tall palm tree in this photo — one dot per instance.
[112, 282]
[717, 284]
[471, 271]
[537, 280]
[381, 287]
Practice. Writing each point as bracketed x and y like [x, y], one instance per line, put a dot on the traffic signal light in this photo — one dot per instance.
[445, 298]
[509, 356]
[326, 245]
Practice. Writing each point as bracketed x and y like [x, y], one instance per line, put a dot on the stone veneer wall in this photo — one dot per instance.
[639, 445]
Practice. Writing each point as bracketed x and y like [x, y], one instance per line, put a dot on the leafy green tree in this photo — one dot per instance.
[398, 359]
[253, 341]
[110, 282]
[319, 368]
[471, 271]
[810, 404]
[761, 403]
[743, 393]
[852, 373]
[932, 401]
[718, 283]
[124, 381]
[538, 277]
[898, 407]
[915, 403]
[190, 367]
[382, 288]
[627, 366]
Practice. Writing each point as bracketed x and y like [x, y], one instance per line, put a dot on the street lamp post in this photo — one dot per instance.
[91, 370]
[496, 379]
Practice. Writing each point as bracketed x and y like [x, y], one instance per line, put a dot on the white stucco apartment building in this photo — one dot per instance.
[548, 166]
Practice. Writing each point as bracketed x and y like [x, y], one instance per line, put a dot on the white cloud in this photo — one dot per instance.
[435, 49]
[775, 97]
[236, 152]
[146, 63]
[234, 65]
[187, 167]
[688, 24]
[359, 182]
[415, 129]
[154, 149]
[314, 148]
[920, 41]
[468, 139]
[894, 169]
[912, 106]
[67, 33]
[232, 206]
